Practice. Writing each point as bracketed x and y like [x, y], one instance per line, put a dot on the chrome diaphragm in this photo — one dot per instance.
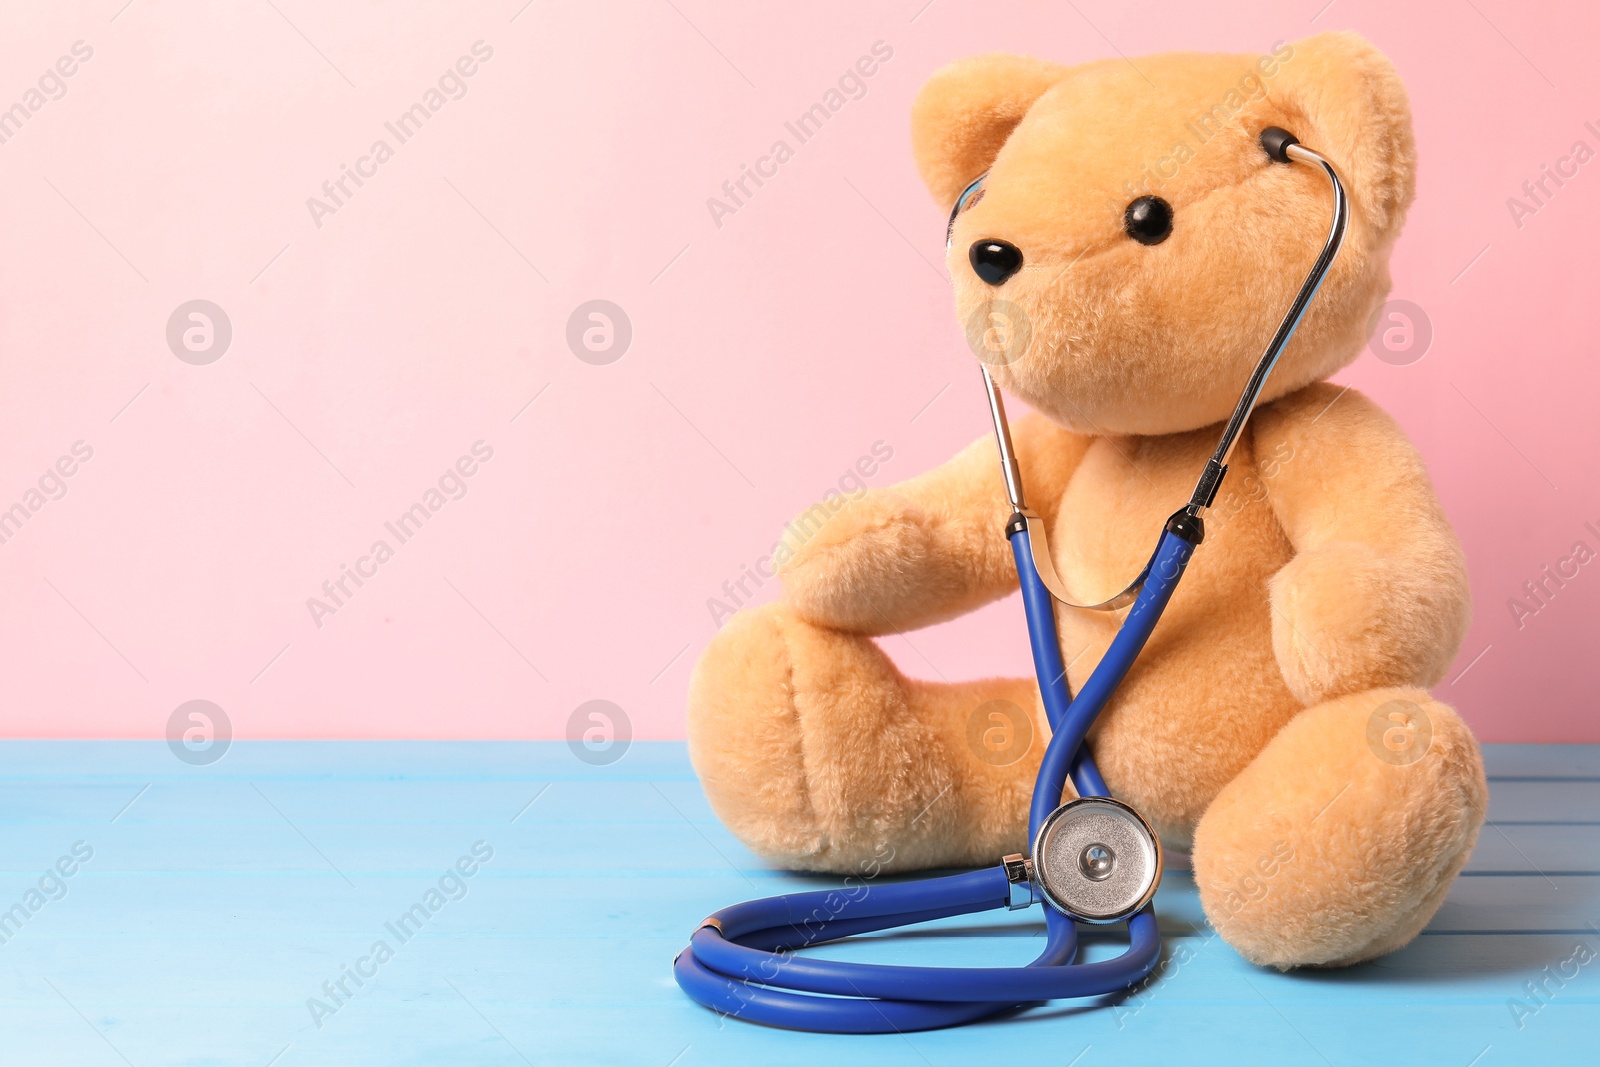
[1097, 860]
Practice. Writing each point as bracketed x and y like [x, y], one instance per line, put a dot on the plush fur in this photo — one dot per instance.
[1330, 591]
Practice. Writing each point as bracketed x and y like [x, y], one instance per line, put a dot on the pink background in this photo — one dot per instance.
[768, 354]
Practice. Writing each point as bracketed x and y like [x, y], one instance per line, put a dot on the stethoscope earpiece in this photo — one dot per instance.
[1276, 141]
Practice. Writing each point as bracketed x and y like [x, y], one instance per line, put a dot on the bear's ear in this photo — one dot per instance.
[966, 111]
[1343, 98]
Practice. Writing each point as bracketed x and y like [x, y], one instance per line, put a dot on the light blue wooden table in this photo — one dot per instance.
[219, 900]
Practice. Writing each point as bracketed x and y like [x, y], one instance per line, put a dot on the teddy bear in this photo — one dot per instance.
[1278, 726]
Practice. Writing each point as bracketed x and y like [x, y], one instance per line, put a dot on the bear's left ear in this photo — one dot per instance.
[1343, 98]
[966, 111]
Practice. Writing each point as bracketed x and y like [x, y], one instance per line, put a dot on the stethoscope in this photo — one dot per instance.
[1095, 860]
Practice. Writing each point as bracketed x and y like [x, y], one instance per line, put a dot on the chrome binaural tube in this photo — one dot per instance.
[1205, 491]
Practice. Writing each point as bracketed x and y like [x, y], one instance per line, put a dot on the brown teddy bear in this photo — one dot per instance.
[1278, 724]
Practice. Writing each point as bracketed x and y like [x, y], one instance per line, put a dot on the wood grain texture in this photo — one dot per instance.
[220, 900]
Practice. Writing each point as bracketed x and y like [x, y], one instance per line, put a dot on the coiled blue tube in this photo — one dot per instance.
[743, 960]
[1066, 753]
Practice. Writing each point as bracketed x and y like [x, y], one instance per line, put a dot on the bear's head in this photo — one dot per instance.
[1132, 247]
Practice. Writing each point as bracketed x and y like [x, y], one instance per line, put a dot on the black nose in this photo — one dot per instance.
[995, 261]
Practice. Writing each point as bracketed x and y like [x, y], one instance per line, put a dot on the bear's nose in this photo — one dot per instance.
[995, 261]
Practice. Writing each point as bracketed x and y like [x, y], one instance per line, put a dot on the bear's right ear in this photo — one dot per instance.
[966, 111]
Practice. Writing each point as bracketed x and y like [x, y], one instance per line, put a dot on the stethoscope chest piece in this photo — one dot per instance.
[1097, 860]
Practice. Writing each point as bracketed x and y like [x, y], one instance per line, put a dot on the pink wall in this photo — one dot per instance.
[373, 346]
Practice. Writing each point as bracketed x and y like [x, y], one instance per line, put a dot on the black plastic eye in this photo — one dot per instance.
[995, 261]
[1148, 220]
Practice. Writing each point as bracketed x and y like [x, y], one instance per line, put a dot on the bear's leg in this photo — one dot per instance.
[1341, 838]
[820, 755]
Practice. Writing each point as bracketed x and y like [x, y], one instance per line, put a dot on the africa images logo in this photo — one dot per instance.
[851, 85]
[451, 485]
[451, 85]
[452, 885]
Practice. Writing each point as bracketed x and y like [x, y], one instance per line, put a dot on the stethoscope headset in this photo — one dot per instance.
[1095, 860]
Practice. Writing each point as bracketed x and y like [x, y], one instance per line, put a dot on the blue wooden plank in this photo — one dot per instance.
[598, 968]
[636, 850]
[317, 900]
[455, 1009]
[1559, 800]
[572, 794]
[1536, 849]
[1541, 761]
[208, 916]
[599, 978]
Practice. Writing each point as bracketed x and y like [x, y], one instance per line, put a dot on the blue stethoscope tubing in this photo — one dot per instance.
[741, 961]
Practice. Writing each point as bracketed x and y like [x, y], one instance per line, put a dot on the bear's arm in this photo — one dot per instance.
[1376, 594]
[930, 548]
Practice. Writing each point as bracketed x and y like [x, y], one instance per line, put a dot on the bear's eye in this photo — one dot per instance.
[1148, 220]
